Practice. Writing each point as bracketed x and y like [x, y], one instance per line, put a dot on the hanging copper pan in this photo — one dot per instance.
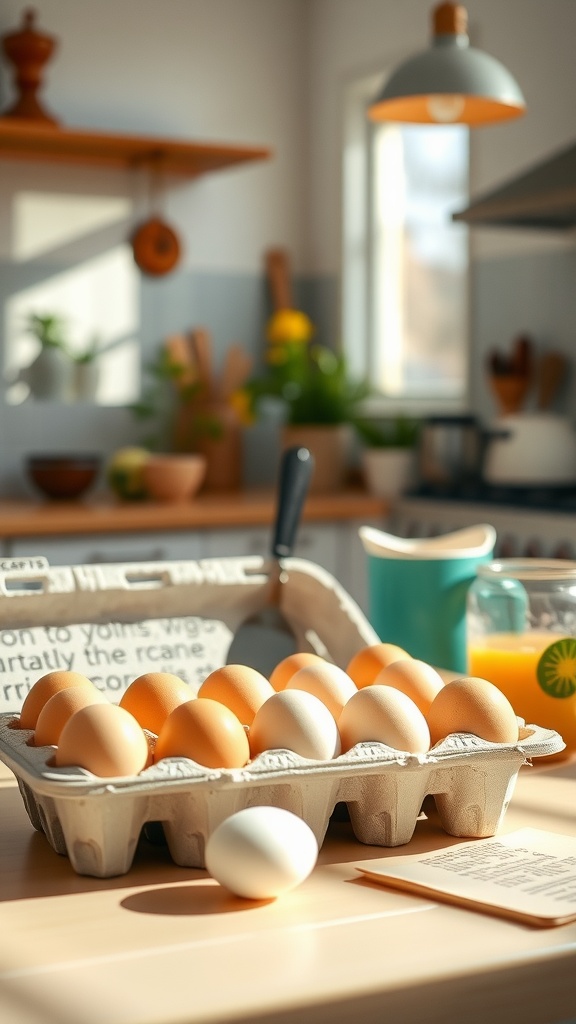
[156, 247]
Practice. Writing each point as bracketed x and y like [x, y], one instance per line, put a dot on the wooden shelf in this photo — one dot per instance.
[26, 140]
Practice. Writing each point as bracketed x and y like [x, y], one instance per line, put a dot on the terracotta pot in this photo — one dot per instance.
[173, 478]
[330, 448]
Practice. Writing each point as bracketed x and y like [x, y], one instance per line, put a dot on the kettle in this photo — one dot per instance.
[531, 449]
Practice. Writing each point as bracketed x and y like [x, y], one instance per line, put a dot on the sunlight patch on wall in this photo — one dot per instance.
[98, 301]
[44, 222]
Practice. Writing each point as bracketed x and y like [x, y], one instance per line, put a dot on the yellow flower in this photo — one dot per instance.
[241, 404]
[289, 325]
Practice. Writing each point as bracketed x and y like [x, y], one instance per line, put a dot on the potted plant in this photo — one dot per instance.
[59, 371]
[389, 454]
[50, 375]
[321, 402]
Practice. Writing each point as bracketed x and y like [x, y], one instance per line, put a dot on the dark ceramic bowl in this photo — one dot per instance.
[63, 477]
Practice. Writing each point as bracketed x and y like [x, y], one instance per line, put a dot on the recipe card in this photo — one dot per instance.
[529, 875]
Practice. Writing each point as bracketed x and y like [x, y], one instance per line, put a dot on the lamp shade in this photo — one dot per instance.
[452, 82]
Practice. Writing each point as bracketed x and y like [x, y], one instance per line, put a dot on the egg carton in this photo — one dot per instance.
[97, 822]
[133, 608]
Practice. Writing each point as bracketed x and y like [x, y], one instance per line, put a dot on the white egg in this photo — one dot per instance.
[327, 682]
[261, 852]
[295, 720]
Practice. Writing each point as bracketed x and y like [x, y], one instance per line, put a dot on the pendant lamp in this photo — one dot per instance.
[451, 83]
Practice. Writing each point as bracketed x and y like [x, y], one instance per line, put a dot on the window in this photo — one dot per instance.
[405, 262]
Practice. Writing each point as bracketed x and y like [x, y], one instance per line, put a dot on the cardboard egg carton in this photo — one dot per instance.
[113, 622]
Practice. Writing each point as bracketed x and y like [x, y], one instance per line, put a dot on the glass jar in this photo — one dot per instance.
[521, 636]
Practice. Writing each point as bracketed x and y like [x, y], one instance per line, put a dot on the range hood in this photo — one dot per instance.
[542, 197]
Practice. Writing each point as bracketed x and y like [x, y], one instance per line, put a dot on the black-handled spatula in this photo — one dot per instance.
[266, 637]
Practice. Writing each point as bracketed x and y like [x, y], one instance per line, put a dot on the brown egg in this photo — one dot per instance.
[286, 668]
[60, 708]
[153, 696]
[327, 682]
[416, 679]
[206, 731]
[472, 705]
[368, 662]
[104, 739]
[384, 715]
[240, 688]
[43, 689]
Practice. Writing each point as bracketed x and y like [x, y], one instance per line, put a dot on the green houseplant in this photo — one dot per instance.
[389, 454]
[321, 402]
[396, 432]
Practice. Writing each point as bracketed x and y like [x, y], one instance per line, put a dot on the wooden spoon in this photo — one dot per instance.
[235, 371]
[178, 348]
[279, 279]
[201, 344]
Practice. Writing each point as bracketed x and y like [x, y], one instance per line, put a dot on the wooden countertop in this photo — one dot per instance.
[205, 511]
[167, 945]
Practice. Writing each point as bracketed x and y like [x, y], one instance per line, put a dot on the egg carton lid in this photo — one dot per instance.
[115, 620]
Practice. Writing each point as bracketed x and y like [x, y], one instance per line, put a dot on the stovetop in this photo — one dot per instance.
[558, 499]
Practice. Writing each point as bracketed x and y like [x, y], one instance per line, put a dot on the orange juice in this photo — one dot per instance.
[537, 673]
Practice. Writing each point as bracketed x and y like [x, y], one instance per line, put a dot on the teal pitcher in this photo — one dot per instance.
[417, 590]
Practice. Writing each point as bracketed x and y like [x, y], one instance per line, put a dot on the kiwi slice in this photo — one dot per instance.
[556, 670]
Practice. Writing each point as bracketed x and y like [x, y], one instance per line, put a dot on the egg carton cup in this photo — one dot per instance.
[131, 609]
